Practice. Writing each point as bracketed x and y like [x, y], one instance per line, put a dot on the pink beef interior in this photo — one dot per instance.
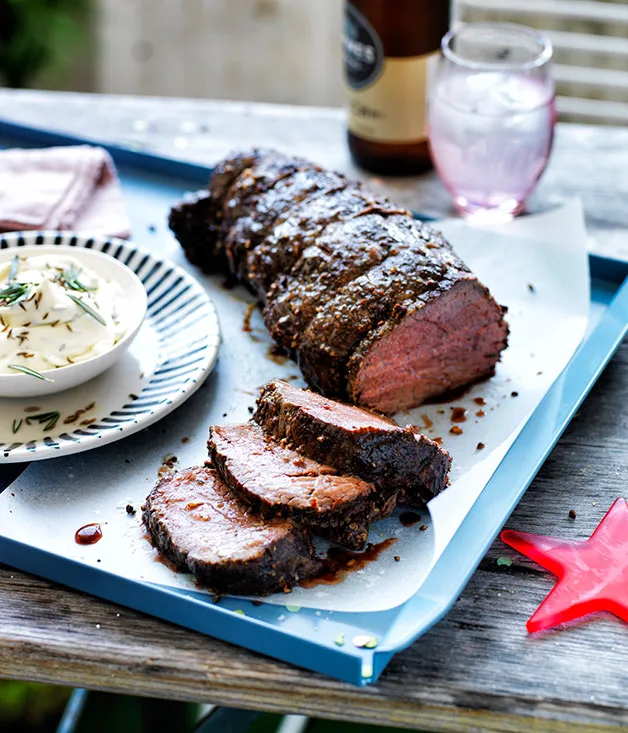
[329, 411]
[453, 341]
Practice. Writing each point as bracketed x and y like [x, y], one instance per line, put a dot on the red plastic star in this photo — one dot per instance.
[592, 575]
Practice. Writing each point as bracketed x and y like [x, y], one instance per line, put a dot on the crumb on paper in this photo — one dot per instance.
[572, 514]
[168, 466]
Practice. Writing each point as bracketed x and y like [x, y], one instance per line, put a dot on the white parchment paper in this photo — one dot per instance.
[537, 266]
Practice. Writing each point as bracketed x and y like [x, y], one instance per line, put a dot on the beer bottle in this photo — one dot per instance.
[389, 46]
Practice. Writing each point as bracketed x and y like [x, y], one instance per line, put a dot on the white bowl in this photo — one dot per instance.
[24, 385]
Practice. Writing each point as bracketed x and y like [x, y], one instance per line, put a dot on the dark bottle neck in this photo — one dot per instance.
[406, 27]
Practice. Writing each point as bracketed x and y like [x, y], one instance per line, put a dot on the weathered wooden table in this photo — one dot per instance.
[478, 669]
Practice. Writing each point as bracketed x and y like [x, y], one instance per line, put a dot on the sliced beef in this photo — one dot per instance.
[355, 441]
[196, 523]
[384, 320]
[278, 481]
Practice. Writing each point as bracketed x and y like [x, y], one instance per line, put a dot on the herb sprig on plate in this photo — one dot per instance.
[48, 419]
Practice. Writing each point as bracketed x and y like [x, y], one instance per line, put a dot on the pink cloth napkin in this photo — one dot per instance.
[71, 188]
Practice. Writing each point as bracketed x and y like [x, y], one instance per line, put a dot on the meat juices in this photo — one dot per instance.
[375, 307]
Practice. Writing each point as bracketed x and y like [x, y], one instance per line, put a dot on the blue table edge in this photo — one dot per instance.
[449, 575]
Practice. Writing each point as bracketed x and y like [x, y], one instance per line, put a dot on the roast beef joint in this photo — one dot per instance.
[374, 306]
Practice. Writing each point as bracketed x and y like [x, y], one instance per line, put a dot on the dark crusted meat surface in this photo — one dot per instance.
[375, 307]
[195, 224]
[277, 481]
[398, 461]
[197, 524]
[300, 227]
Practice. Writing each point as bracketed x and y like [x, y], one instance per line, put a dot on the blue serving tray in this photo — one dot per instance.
[323, 640]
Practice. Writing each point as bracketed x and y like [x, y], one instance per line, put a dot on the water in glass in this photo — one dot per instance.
[491, 118]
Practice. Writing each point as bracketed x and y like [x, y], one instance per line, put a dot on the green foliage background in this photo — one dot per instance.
[26, 706]
[37, 35]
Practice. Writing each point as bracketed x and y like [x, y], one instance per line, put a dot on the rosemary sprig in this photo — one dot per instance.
[50, 418]
[30, 372]
[88, 309]
[14, 293]
[17, 424]
[13, 271]
[70, 279]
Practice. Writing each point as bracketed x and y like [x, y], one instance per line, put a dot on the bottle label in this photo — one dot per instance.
[363, 51]
[392, 107]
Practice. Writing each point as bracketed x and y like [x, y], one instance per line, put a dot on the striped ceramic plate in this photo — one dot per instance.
[171, 356]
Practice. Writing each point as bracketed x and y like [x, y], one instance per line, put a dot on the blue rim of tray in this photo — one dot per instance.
[298, 638]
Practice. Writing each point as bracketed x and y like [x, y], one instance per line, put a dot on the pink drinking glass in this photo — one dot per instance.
[491, 116]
